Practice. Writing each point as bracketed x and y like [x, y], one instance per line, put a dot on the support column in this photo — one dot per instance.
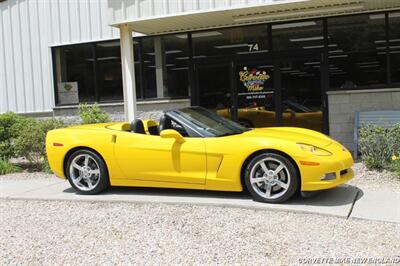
[128, 72]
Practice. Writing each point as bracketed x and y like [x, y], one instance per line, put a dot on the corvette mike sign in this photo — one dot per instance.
[253, 83]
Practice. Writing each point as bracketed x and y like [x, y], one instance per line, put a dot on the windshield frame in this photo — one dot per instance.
[196, 127]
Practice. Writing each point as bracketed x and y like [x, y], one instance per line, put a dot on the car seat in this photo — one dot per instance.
[165, 123]
[137, 126]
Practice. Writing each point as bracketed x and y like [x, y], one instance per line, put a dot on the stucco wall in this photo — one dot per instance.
[344, 104]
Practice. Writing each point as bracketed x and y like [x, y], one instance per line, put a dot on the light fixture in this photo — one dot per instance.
[179, 68]
[253, 52]
[294, 25]
[305, 39]
[167, 65]
[168, 52]
[338, 56]
[319, 46]
[227, 46]
[290, 71]
[312, 63]
[313, 47]
[298, 73]
[382, 16]
[103, 58]
[369, 66]
[368, 63]
[391, 47]
[265, 66]
[383, 41]
[194, 57]
[391, 52]
[335, 51]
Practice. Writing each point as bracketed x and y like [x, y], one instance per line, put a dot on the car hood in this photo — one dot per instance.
[298, 135]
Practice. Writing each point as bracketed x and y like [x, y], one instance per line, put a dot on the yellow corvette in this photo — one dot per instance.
[194, 148]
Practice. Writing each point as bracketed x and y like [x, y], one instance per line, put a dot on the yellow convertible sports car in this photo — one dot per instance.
[194, 148]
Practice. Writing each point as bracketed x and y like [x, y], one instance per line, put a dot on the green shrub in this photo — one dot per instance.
[394, 139]
[30, 140]
[395, 166]
[7, 121]
[92, 114]
[6, 167]
[378, 145]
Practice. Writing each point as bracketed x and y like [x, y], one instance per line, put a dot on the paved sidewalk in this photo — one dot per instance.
[344, 201]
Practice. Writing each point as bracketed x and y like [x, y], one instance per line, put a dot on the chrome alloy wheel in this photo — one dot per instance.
[84, 172]
[270, 178]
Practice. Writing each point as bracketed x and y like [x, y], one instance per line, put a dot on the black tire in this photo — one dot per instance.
[288, 173]
[103, 182]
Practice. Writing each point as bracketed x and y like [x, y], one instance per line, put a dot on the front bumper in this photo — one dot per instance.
[338, 165]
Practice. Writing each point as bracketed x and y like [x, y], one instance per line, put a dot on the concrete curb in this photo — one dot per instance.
[346, 201]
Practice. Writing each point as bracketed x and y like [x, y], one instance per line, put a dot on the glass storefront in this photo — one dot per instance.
[261, 75]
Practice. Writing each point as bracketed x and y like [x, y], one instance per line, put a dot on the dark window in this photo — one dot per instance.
[92, 72]
[301, 93]
[149, 68]
[240, 41]
[305, 35]
[351, 71]
[175, 48]
[356, 33]
[75, 74]
[394, 46]
[109, 75]
[395, 66]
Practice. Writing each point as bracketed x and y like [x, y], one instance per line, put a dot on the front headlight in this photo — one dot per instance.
[314, 149]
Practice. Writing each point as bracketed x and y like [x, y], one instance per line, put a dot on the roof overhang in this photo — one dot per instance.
[252, 14]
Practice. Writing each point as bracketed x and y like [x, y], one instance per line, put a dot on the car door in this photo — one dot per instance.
[152, 158]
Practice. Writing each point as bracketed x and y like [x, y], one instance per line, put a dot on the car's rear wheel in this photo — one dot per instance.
[87, 172]
[271, 178]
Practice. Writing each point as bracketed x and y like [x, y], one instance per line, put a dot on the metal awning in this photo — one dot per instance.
[272, 11]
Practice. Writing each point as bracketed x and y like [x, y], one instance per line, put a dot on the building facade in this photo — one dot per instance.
[307, 63]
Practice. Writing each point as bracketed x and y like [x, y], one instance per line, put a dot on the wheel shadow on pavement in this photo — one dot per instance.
[339, 196]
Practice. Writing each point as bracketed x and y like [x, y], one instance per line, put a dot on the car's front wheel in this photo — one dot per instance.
[87, 172]
[271, 178]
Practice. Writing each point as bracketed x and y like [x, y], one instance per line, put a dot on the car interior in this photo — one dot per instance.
[150, 127]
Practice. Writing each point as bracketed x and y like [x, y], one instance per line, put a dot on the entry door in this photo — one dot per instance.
[152, 158]
[301, 92]
[255, 94]
[286, 91]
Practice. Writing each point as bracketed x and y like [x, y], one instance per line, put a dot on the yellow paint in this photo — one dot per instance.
[197, 163]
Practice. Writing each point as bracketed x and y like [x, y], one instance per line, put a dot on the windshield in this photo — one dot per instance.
[210, 123]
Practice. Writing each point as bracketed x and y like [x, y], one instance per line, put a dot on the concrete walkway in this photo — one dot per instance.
[345, 201]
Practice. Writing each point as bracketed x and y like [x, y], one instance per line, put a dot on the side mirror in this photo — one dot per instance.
[172, 134]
